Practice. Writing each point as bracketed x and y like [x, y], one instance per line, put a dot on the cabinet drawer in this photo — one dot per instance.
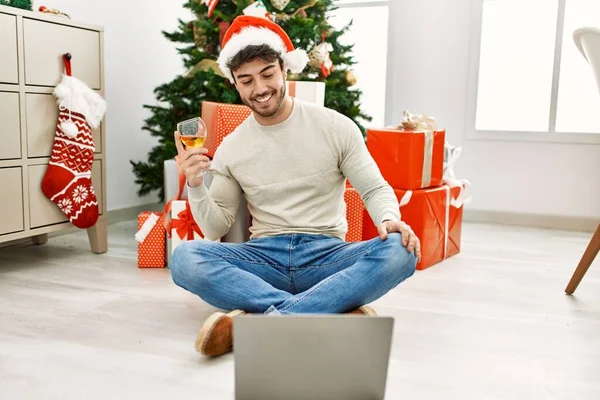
[8, 49]
[42, 114]
[45, 44]
[42, 211]
[10, 126]
[11, 201]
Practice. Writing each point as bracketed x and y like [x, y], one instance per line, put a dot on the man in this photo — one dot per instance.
[290, 160]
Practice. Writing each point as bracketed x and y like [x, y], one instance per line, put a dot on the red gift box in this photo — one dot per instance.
[435, 215]
[151, 241]
[221, 119]
[408, 159]
[354, 214]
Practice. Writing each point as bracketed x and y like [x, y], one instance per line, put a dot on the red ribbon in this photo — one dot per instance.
[185, 226]
[167, 222]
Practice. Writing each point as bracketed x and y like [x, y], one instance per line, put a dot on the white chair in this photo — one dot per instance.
[587, 40]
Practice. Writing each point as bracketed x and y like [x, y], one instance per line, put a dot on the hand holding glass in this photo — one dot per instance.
[192, 133]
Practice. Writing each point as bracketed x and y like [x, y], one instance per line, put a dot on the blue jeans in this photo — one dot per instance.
[292, 274]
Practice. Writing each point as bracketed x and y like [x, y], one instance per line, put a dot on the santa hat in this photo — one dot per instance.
[248, 30]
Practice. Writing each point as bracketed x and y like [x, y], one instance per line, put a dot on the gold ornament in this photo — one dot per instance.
[350, 78]
[199, 37]
[205, 65]
[301, 10]
[280, 4]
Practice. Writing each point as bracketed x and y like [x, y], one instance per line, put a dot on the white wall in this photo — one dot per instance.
[137, 59]
[431, 44]
[429, 73]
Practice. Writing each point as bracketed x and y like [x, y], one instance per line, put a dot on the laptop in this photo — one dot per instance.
[311, 357]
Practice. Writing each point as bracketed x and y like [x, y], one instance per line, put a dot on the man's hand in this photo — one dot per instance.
[192, 161]
[409, 239]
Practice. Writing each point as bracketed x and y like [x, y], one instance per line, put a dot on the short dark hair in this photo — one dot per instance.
[253, 52]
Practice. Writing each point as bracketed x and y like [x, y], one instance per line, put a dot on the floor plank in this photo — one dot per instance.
[490, 323]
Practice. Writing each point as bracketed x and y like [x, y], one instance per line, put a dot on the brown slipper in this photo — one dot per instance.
[216, 335]
[364, 310]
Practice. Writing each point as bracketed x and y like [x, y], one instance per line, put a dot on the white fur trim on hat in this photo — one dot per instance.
[78, 97]
[295, 60]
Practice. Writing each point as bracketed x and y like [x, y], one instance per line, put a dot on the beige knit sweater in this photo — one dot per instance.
[292, 175]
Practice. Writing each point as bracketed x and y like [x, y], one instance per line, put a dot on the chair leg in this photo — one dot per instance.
[586, 260]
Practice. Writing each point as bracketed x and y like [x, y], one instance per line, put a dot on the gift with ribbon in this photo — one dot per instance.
[171, 177]
[178, 221]
[221, 119]
[151, 240]
[311, 92]
[435, 215]
[410, 156]
[183, 225]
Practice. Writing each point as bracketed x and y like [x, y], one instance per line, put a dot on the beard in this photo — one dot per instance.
[279, 97]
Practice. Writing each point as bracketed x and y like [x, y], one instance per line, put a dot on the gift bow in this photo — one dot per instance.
[146, 227]
[451, 155]
[422, 123]
[185, 226]
[418, 122]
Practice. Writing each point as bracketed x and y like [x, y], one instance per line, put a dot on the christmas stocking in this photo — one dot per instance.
[67, 181]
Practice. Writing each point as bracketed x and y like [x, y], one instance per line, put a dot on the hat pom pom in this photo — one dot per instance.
[296, 60]
[69, 128]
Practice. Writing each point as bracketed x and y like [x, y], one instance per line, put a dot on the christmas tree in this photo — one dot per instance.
[24, 4]
[306, 23]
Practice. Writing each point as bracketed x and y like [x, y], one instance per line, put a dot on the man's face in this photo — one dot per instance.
[261, 86]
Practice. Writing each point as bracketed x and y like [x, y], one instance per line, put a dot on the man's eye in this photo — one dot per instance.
[246, 82]
[268, 76]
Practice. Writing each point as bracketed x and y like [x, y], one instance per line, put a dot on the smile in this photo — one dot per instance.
[263, 99]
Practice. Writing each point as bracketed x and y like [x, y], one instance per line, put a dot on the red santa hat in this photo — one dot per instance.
[246, 30]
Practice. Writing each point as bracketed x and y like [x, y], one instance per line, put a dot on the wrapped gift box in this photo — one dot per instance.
[435, 215]
[408, 160]
[354, 214]
[239, 231]
[171, 181]
[151, 240]
[183, 226]
[312, 92]
[221, 119]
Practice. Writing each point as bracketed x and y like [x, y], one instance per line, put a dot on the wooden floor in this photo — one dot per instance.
[490, 323]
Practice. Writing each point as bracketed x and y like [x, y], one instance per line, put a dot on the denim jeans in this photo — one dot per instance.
[292, 274]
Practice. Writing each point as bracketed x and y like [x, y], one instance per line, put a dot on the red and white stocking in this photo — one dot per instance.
[68, 178]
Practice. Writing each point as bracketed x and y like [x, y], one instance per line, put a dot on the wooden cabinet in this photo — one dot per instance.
[41, 125]
[10, 126]
[42, 211]
[8, 49]
[32, 46]
[11, 201]
[44, 45]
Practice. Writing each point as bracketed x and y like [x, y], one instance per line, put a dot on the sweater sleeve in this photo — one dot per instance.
[357, 164]
[214, 209]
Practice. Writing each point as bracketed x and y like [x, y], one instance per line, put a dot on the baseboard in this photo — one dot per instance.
[112, 217]
[125, 214]
[561, 222]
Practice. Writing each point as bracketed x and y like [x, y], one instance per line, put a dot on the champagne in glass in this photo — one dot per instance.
[192, 133]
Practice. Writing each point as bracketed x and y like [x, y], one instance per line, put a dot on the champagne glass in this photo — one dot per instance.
[193, 133]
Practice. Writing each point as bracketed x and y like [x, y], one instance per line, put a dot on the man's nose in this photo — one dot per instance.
[261, 87]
